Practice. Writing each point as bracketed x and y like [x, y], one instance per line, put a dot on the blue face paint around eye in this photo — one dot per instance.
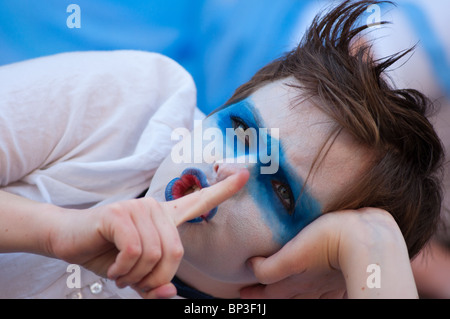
[284, 224]
[225, 119]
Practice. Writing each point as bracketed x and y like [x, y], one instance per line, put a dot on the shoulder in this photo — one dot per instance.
[132, 66]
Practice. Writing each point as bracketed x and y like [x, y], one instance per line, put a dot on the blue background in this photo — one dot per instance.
[222, 43]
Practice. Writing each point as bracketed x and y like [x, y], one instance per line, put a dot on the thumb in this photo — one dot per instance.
[286, 262]
[267, 270]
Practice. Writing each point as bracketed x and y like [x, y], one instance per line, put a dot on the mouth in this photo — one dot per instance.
[190, 181]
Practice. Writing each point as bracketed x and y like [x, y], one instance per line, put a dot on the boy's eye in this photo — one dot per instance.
[284, 193]
[238, 123]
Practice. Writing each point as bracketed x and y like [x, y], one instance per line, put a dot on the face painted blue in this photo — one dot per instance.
[286, 207]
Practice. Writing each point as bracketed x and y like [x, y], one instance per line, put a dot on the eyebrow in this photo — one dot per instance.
[255, 113]
[256, 116]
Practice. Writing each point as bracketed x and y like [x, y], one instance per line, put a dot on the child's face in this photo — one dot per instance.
[273, 206]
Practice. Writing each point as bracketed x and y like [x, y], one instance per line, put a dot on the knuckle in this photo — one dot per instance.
[123, 210]
[150, 203]
[153, 256]
[133, 250]
[177, 252]
[115, 211]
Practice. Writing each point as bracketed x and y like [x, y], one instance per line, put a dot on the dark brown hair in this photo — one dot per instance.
[336, 69]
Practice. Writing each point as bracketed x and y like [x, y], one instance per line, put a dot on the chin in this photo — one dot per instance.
[226, 273]
[225, 264]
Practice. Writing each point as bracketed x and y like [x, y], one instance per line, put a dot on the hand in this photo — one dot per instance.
[303, 268]
[136, 242]
[329, 259]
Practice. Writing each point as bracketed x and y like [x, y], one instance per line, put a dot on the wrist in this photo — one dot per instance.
[373, 257]
[26, 224]
[52, 230]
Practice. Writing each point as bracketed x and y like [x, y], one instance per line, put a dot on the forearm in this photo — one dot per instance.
[25, 225]
[376, 263]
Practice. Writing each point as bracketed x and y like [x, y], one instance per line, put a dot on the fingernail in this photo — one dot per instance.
[121, 284]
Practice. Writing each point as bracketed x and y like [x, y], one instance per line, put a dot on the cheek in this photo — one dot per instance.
[266, 205]
[242, 229]
[248, 225]
[247, 234]
[222, 247]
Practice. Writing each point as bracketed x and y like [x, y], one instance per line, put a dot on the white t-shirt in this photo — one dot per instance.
[83, 129]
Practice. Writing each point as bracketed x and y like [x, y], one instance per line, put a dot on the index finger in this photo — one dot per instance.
[201, 202]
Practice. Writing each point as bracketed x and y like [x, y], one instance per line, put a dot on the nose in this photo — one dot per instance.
[223, 170]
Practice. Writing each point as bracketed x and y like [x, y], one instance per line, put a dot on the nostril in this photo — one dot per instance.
[216, 168]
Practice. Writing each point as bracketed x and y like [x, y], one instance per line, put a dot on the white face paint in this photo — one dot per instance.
[268, 211]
